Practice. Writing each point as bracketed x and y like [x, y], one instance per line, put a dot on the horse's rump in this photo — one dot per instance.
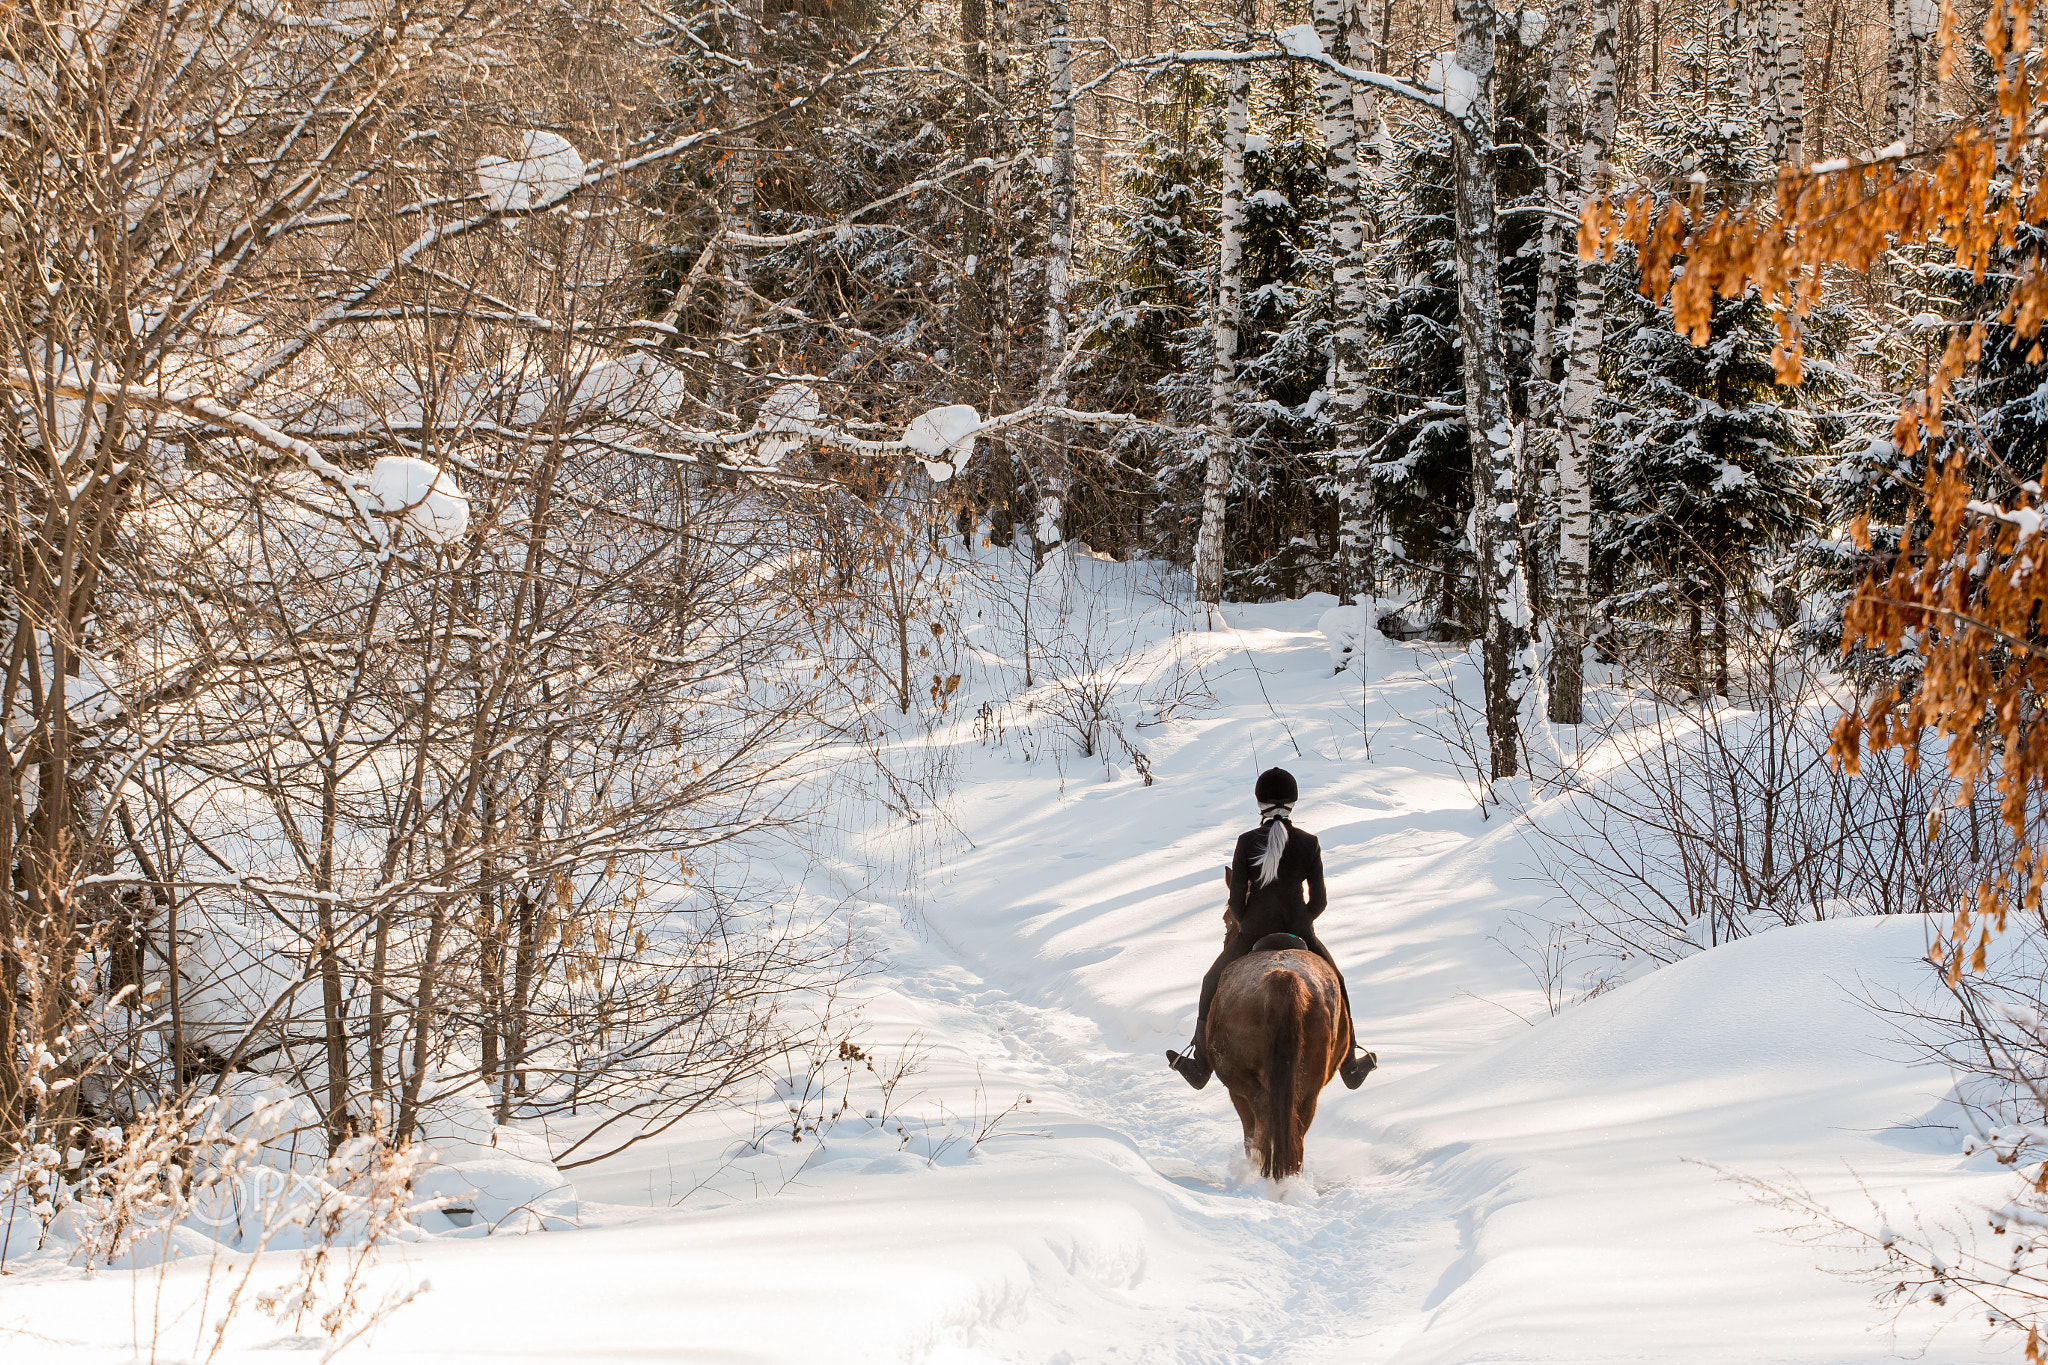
[1275, 1030]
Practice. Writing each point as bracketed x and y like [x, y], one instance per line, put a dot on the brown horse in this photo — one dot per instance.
[1275, 1038]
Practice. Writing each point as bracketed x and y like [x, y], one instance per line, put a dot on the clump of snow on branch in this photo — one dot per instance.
[1300, 41]
[943, 439]
[424, 495]
[1460, 87]
[1533, 24]
[785, 419]
[546, 168]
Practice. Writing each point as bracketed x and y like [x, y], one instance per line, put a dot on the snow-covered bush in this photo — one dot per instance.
[1718, 820]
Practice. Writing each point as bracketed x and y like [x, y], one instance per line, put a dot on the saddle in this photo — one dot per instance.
[1280, 943]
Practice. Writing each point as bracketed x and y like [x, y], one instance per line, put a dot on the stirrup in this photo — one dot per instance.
[1354, 1069]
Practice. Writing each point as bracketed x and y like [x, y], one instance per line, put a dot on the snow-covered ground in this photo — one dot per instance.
[1508, 1187]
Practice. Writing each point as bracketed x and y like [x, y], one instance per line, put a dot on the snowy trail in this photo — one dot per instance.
[1508, 1187]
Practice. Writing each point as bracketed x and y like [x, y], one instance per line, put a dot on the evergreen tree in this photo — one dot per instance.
[1152, 355]
[1706, 468]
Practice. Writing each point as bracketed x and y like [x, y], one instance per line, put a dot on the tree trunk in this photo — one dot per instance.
[1720, 584]
[1539, 447]
[1223, 324]
[1489, 428]
[1349, 342]
[741, 172]
[333, 1007]
[525, 967]
[1695, 653]
[422, 1025]
[1581, 392]
[1054, 475]
[1827, 83]
[970, 312]
[1906, 67]
[1785, 112]
[1738, 48]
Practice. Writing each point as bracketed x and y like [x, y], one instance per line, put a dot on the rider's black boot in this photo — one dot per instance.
[1193, 1065]
[1355, 1068]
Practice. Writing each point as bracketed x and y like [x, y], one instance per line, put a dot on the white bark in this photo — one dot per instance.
[970, 311]
[1736, 27]
[1496, 541]
[1053, 477]
[1907, 66]
[1335, 23]
[741, 175]
[1785, 110]
[1581, 392]
[1223, 324]
[1564, 37]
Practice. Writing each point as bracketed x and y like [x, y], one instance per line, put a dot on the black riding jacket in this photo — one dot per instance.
[1280, 907]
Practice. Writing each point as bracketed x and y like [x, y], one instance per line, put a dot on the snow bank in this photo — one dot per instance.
[1587, 1148]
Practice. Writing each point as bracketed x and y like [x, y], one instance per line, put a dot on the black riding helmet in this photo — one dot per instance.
[1276, 787]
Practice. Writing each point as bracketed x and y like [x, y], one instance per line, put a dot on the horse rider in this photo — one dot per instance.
[1273, 866]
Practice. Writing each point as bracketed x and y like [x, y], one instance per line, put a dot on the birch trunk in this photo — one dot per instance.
[1556, 97]
[1335, 24]
[970, 313]
[1542, 439]
[1912, 24]
[1496, 542]
[1581, 391]
[741, 173]
[1738, 48]
[1785, 47]
[1223, 325]
[1053, 477]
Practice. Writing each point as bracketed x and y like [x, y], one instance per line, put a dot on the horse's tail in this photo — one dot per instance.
[1281, 1150]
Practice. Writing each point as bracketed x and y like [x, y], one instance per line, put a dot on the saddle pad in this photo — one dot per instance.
[1276, 943]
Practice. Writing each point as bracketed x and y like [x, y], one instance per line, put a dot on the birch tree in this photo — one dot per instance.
[1908, 65]
[1336, 23]
[1784, 42]
[1467, 80]
[1581, 394]
[1735, 27]
[1542, 438]
[742, 172]
[1222, 435]
[1055, 470]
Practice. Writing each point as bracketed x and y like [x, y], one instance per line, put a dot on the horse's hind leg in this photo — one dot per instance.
[1248, 1115]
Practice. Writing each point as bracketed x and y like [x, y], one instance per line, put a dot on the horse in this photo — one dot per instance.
[1275, 1038]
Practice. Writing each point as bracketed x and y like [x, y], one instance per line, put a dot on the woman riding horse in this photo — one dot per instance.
[1272, 866]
